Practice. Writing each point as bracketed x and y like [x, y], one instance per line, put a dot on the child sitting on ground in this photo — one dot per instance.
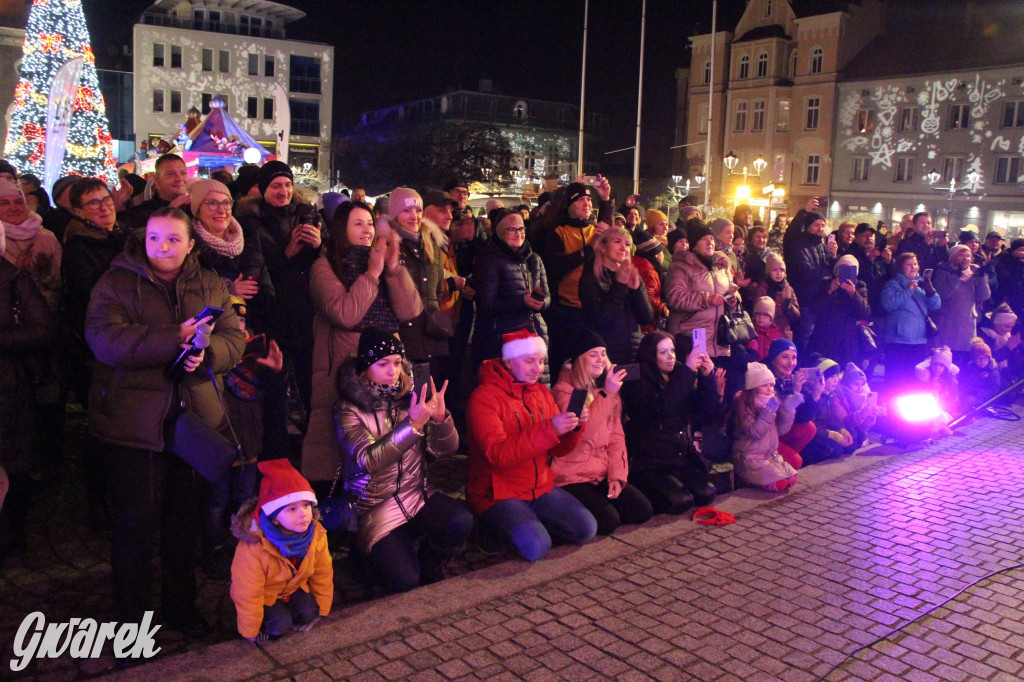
[764, 324]
[282, 574]
[980, 379]
[939, 372]
[831, 416]
[853, 397]
[757, 419]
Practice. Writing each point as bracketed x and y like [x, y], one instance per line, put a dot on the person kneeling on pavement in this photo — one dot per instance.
[282, 576]
[515, 430]
[758, 416]
[387, 435]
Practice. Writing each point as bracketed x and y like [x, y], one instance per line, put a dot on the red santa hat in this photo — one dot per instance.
[281, 485]
[520, 343]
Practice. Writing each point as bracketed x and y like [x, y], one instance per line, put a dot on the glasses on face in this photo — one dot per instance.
[213, 204]
[97, 204]
[460, 192]
[516, 230]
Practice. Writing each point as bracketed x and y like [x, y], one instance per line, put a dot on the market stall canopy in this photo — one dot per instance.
[220, 141]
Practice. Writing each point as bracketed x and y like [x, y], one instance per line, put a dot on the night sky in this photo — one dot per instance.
[393, 51]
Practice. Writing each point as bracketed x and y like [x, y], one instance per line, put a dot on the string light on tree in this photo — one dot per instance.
[56, 33]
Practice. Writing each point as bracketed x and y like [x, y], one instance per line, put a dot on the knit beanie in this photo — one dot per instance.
[63, 184]
[765, 305]
[957, 248]
[271, 170]
[199, 189]
[400, 199]
[967, 236]
[848, 259]
[777, 347]
[248, 176]
[583, 340]
[1016, 244]
[375, 344]
[979, 348]
[758, 375]
[617, 217]
[719, 224]
[331, 202]
[10, 189]
[281, 486]
[520, 343]
[575, 191]
[654, 216]
[695, 231]
[774, 261]
[829, 368]
[852, 373]
[647, 246]
[812, 217]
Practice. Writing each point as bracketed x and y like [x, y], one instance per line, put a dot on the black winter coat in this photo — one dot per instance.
[503, 279]
[616, 312]
[836, 335]
[290, 318]
[88, 252]
[1010, 282]
[661, 414]
[249, 264]
[809, 264]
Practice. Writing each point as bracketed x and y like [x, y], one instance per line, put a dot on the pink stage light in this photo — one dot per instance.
[917, 407]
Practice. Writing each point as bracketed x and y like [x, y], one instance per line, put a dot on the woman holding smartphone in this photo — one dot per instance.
[596, 469]
[758, 417]
[907, 299]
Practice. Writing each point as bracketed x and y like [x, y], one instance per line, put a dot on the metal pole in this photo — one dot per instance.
[583, 86]
[639, 101]
[711, 109]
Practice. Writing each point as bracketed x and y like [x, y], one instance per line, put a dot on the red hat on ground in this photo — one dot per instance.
[520, 343]
[281, 485]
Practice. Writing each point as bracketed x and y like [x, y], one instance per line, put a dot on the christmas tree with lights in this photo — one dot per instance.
[56, 33]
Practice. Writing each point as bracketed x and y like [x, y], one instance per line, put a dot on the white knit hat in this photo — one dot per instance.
[758, 375]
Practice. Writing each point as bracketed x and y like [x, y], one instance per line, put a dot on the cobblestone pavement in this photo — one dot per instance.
[808, 584]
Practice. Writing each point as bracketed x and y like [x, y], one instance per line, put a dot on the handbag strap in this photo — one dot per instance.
[918, 304]
[337, 475]
[223, 404]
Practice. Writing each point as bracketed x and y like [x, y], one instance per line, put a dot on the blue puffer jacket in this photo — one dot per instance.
[905, 311]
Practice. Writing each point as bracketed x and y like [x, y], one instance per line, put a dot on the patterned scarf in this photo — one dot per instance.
[232, 243]
[27, 229]
[386, 393]
[380, 313]
[291, 545]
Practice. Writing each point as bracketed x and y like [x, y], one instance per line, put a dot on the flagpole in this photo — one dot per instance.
[583, 86]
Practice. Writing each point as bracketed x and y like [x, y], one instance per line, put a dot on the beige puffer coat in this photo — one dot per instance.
[385, 460]
[755, 446]
[687, 287]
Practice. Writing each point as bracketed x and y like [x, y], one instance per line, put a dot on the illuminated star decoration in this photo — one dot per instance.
[56, 33]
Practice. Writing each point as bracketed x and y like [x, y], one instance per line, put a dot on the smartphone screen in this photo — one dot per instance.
[928, 273]
[847, 273]
[700, 340]
[420, 377]
[577, 401]
[632, 371]
[210, 311]
[772, 404]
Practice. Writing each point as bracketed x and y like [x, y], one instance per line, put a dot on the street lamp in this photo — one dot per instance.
[731, 160]
[972, 180]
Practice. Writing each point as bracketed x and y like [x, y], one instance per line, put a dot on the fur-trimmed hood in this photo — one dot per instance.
[428, 229]
[352, 390]
[246, 527]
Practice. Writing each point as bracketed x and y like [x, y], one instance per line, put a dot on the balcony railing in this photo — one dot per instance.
[155, 19]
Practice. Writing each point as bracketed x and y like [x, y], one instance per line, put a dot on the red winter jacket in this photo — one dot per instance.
[511, 439]
[765, 336]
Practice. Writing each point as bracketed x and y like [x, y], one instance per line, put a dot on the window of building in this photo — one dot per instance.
[813, 108]
[953, 168]
[817, 60]
[762, 65]
[519, 111]
[304, 74]
[197, 16]
[268, 107]
[782, 116]
[175, 101]
[744, 67]
[740, 120]
[224, 61]
[904, 169]
[861, 164]
[792, 66]
[767, 8]
[959, 116]
[252, 106]
[908, 119]
[702, 118]
[1007, 170]
[865, 120]
[813, 169]
[757, 120]
[214, 24]
[175, 56]
[206, 102]
[158, 101]
[707, 73]
[305, 118]
[268, 67]
[207, 59]
[1013, 114]
[158, 54]
[254, 64]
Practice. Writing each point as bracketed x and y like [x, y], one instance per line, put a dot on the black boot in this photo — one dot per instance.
[432, 562]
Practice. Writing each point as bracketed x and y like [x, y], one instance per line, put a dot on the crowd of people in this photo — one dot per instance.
[593, 362]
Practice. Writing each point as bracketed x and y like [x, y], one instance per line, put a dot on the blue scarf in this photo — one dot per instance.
[290, 544]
